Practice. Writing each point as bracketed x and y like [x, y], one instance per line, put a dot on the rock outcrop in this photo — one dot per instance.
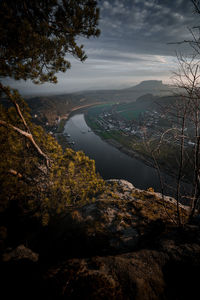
[117, 222]
[123, 246]
[147, 274]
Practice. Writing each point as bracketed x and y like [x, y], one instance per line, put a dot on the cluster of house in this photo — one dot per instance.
[108, 121]
[152, 118]
[148, 125]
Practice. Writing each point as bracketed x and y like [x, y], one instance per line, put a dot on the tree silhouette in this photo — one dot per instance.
[35, 36]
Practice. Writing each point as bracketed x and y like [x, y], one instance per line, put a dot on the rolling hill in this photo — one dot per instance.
[48, 108]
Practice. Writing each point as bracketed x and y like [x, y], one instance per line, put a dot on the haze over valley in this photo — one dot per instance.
[60, 104]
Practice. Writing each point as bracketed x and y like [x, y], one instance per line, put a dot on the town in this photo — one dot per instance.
[148, 124]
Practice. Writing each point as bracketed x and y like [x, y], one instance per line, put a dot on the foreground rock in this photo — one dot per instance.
[125, 245]
[169, 273]
[117, 222]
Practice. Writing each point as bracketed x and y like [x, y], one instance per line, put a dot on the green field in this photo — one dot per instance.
[127, 111]
[97, 110]
[130, 111]
[131, 114]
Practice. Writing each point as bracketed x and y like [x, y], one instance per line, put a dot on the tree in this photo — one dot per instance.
[35, 37]
[187, 116]
[179, 139]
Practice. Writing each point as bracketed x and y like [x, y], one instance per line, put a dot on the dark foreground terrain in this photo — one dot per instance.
[122, 246]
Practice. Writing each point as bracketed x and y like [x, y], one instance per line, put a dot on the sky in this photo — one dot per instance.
[136, 44]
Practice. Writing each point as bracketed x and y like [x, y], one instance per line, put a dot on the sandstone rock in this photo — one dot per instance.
[118, 221]
[19, 253]
[122, 183]
[142, 275]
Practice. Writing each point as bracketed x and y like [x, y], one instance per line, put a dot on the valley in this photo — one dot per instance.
[46, 110]
[134, 126]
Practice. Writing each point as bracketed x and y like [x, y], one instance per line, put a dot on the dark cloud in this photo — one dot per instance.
[146, 26]
[135, 44]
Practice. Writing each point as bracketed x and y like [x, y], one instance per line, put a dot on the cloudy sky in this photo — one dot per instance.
[134, 45]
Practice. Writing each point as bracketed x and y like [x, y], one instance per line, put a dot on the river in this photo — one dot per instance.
[110, 162]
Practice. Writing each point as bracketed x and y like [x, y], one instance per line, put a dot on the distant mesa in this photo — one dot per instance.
[151, 82]
[148, 84]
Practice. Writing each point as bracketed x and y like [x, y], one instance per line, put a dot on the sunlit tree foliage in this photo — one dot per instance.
[36, 177]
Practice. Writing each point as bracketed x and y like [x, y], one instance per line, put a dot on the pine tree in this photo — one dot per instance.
[36, 36]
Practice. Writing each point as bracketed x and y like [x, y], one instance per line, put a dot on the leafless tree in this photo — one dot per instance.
[183, 134]
[188, 80]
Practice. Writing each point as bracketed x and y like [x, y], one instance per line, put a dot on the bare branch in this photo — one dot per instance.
[26, 133]
[29, 137]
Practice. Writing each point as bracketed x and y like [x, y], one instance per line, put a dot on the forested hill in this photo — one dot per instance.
[150, 102]
[154, 87]
[47, 109]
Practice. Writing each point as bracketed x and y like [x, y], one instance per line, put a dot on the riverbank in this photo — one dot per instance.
[130, 152]
[133, 153]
